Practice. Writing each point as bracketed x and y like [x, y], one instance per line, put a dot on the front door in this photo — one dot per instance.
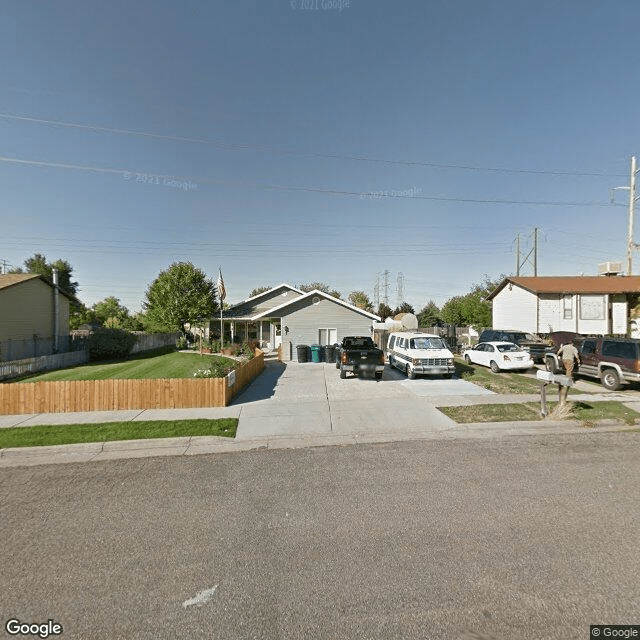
[277, 339]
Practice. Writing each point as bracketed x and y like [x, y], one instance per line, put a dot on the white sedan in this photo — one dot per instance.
[499, 356]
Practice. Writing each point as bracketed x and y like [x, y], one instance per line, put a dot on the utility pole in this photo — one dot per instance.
[631, 245]
[533, 251]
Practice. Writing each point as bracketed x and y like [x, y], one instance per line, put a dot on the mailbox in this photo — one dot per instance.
[547, 376]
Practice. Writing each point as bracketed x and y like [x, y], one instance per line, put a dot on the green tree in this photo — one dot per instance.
[361, 300]
[182, 294]
[38, 263]
[384, 311]
[405, 307]
[320, 286]
[473, 308]
[258, 290]
[429, 315]
[109, 312]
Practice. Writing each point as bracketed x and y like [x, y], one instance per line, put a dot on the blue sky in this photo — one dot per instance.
[289, 143]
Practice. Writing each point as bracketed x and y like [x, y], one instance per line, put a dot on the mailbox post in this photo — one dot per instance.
[563, 382]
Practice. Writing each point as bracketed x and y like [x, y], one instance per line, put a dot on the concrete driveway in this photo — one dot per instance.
[311, 399]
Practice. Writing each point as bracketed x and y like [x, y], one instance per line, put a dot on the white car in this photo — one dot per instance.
[499, 356]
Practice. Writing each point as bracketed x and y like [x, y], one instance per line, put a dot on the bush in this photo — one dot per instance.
[110, 344]
[217, 370]
[181, 343]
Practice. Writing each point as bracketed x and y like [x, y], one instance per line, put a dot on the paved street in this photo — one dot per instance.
[529, 537]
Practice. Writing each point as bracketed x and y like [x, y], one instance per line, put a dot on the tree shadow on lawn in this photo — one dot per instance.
[263, 386]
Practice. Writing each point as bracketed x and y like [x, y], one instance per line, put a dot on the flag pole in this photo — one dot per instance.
[222, 294]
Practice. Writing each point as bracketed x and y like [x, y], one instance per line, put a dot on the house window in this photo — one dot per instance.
[567, 307]
[592, 307]
[327, 336]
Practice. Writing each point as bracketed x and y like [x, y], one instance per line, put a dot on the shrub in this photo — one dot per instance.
[217, 370]
[110, 344]
[181, 343]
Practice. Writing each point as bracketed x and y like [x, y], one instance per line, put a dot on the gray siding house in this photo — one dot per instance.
[287, 316]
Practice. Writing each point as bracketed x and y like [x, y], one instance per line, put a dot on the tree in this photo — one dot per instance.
[182, 294]
[384, 311]
[405, 307]
[473, 308]
[429, 315]
[109, 312]
[361, 300]
[258, 290]
[38, 264]
[320, 286]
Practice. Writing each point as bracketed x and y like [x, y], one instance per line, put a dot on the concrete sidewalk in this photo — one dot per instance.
[302, 405]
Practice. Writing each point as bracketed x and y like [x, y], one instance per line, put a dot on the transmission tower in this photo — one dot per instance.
[400, 289]
[386, 287]
[534, 251]
[376, 292]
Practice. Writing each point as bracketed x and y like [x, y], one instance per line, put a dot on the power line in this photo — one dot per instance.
[274, 149]
[297, 188]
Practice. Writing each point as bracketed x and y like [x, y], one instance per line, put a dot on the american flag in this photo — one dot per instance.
[222, 292]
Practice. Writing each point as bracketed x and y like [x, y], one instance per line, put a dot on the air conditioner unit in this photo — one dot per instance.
[609, 268]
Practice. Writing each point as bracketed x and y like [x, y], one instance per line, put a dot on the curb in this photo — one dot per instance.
[202, 445]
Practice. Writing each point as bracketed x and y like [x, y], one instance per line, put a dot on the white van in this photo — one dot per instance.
[419, 353]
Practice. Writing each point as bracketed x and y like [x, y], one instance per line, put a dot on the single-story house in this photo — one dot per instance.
[286, 316]
[583, 304]
[29, 325]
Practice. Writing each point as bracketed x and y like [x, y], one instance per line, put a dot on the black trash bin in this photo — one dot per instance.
[303, 353]
[329, 354]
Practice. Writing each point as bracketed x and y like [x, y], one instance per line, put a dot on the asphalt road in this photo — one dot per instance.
[524, 537]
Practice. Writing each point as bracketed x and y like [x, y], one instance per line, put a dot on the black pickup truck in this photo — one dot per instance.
[359, 354]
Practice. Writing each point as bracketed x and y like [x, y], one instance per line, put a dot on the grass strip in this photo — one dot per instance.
[589, 413]
[504, 382]
[44, 435]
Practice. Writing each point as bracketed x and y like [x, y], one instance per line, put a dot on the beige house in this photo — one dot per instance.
[34, 318]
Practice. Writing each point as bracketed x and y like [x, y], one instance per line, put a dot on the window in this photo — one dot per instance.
[626, 350]
[567, 307]
[392, 342]
[588, 347]
[592, 307]
[427, 343]
[327, 336]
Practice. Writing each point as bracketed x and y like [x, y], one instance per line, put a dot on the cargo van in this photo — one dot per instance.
[418, 353]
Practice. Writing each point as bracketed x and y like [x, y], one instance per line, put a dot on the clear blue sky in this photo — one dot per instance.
[301, 144]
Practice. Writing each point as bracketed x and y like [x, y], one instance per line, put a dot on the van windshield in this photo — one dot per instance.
[427, 343]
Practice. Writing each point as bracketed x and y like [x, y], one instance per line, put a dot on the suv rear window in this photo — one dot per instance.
[614, 349]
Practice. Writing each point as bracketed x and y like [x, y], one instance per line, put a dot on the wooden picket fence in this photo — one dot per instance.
[109, 395]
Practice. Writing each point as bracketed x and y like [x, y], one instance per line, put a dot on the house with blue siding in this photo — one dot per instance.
[286, 317]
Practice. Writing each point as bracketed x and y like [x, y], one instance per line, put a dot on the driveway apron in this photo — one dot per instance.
[311, 399]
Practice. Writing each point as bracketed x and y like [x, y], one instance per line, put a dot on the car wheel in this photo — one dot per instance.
[337, 364]
[467, 359]
[411, 374]
[494, 366]
[610, 380]
[390, 362]
[343, 374]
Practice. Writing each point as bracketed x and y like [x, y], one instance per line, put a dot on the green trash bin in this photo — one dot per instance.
[315, 353]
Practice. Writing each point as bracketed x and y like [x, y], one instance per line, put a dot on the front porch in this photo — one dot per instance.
[267, 333]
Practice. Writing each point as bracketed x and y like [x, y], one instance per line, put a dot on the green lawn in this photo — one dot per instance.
[503, 382]
[587, 413]
[139, 366]
[39, 436]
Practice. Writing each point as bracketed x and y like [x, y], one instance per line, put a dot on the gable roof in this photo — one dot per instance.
[317, 292]
[260, 303]
[572, 284]
[12, 279]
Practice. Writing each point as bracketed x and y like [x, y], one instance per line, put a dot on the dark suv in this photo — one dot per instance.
[536, 347]
[615, 361]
